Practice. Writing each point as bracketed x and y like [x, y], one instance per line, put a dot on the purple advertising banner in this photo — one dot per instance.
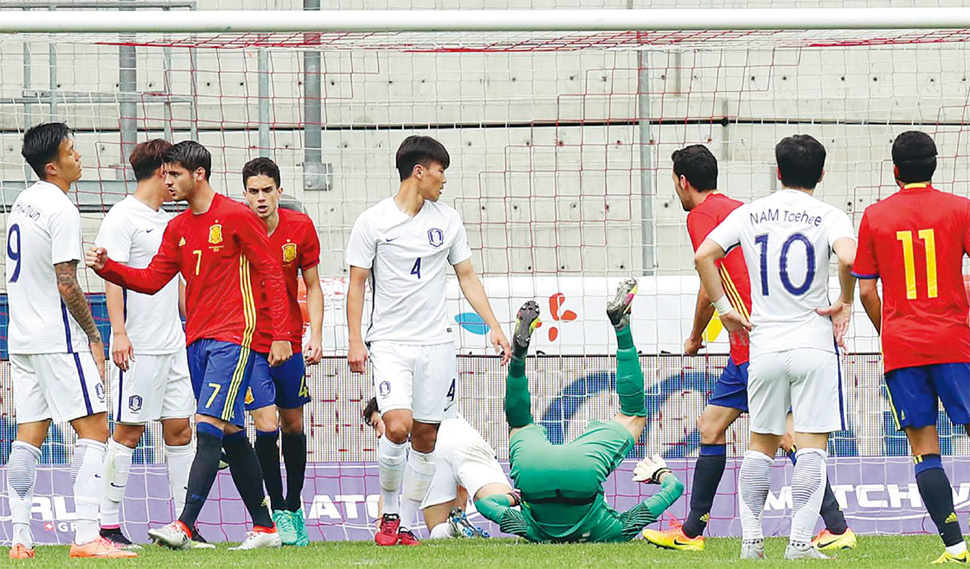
[878, 495]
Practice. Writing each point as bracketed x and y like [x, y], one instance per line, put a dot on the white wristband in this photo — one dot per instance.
[723, 306]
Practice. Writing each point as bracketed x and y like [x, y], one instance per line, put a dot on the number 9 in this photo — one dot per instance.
[14, 236]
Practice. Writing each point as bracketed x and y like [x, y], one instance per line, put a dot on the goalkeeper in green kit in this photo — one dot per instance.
[560, 487]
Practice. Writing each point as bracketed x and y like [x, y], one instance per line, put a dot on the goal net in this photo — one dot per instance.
[560, 146]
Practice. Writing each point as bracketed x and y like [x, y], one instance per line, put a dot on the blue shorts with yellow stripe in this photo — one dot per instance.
[915, 394]
[284, 386]
[220, 374]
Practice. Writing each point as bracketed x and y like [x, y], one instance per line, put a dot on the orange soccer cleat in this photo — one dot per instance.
[100, 548]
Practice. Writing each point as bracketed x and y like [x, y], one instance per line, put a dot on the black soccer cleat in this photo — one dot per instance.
[526, 321]
[618, 309]
[115, 536]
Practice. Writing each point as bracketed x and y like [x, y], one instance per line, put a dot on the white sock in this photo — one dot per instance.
[86, 468]
[117, 465]
[754, 481]
[179, 461]
[957, 549]
[390, 459]
[21, 475]
[807, 489]
[442, 531]
[417, 479]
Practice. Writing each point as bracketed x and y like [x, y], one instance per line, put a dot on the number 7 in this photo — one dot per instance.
[215, 392]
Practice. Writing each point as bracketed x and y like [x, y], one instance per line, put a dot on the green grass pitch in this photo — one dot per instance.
[882, 552]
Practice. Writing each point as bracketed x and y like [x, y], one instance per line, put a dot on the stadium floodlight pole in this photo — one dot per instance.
[231, 21]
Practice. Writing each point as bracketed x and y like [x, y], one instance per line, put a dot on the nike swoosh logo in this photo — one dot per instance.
[389, 239]
[149, 230]
[113, 485]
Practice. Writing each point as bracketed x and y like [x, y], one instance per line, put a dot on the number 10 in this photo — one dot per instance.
[909, 263]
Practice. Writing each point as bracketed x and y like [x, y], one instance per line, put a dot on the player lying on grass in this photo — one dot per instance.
[560, 487]
[465, 466]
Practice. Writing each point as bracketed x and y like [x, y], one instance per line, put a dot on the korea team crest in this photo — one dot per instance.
[289, 252]
[215, 234]
[436, 237]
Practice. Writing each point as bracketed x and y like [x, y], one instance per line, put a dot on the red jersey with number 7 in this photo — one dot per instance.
[234, 283]
[734, 273]
[914, 241]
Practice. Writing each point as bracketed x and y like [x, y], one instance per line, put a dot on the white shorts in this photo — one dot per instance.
[806, 380]
[62, 387]
[155, 387]
[416, 377]
[472, 467]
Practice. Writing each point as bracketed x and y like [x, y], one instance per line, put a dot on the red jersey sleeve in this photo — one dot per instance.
[310, 256]
[699, 225]
[865, 266]
[251, 234]
[163, 267]
[966, 234]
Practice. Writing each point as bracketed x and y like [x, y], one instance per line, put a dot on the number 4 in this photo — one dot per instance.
[416, 269]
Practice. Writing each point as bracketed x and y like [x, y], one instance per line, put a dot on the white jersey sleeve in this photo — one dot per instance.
[841, 227]
[362, 247]
[115, 236]
[728, 233]
[459, 250]
[64, 225]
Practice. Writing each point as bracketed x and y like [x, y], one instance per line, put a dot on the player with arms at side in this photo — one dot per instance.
[220, 248]
[148, 345]
[560, 487]
[293, 238]
[787, 239]
[695, 181]
[915, 241]
[403, 245]
[465, 467]
[56, 352]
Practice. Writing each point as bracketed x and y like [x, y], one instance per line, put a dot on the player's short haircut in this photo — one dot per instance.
[147, 158]
[914, 155]
[369, 411]
[42, 144]
[190, 155]
[261, 166]
[801, 160]
[422, 150]
[698, 165]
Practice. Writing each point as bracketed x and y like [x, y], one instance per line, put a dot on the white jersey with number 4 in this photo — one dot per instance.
[132, 233]
[787, 240]
[43, 229]
[408, 258]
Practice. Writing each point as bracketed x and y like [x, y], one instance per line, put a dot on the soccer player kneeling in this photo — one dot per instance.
[560, 487]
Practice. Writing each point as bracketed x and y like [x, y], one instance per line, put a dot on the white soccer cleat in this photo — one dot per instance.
[259, 540]
[753, 549]
[170, 536]
[792, 552]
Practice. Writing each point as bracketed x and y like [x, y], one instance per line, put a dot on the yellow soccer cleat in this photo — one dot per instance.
[828, 541]
[674, 538]
[948, 557]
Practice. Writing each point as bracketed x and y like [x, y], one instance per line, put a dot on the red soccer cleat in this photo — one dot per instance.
[405, 537]
[388, 534]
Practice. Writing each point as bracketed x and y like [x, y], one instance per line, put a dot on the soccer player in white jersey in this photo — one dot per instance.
[56, 352]
[151, 382]
[787, 239]
[403, 244]
[465, 467]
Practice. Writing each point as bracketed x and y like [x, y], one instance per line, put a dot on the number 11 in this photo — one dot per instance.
[909, 263]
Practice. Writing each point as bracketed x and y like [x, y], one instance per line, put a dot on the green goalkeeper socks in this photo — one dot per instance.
[518, 402]
[629, 378]
[624, 339]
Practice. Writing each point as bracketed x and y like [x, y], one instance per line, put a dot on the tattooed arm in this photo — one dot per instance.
[77, 304]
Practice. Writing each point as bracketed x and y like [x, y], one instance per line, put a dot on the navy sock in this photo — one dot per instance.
[268, 453]
[203, 472]
[708, 471]
[294, 455]
[247, 476]
[937, 494]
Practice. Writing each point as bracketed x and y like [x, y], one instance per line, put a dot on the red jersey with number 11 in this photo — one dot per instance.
[915, 241]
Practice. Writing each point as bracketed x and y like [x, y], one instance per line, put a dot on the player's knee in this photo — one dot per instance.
[424, 437]
[711, 432]
[128, 435]
[396, 432]
[177, 433]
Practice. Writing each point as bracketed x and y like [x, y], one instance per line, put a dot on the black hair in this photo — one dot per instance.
[801, 160]
[147, 158]
[42, 145]
[422, 150]
[190, 155]
[261, 166]
[698, 165]
[368, 411]
[914, 155]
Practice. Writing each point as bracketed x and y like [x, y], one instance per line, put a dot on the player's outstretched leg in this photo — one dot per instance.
[518, 403]
[629, 374]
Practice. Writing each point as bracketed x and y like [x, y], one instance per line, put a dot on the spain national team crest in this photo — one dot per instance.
[215, 234]
[436, 237]
[289, 252]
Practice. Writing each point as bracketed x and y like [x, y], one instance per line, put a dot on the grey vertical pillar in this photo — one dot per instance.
[27, 116]
[314, 172]
[128, 106]
[52, 81]
[646, 163]
[264, 118]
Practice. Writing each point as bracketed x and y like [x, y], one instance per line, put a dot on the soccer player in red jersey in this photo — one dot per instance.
[293, 238]
[915, 241]
[695, 181]
[221, 249]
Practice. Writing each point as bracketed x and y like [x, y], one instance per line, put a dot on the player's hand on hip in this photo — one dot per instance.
[650, 470]
[122, 351]
[313, 352]
[357, 357]
[501, 344]
[693, 345]
[279, 352]
[737, 325]
[97, 351]
[841, 314]
[96, 258]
